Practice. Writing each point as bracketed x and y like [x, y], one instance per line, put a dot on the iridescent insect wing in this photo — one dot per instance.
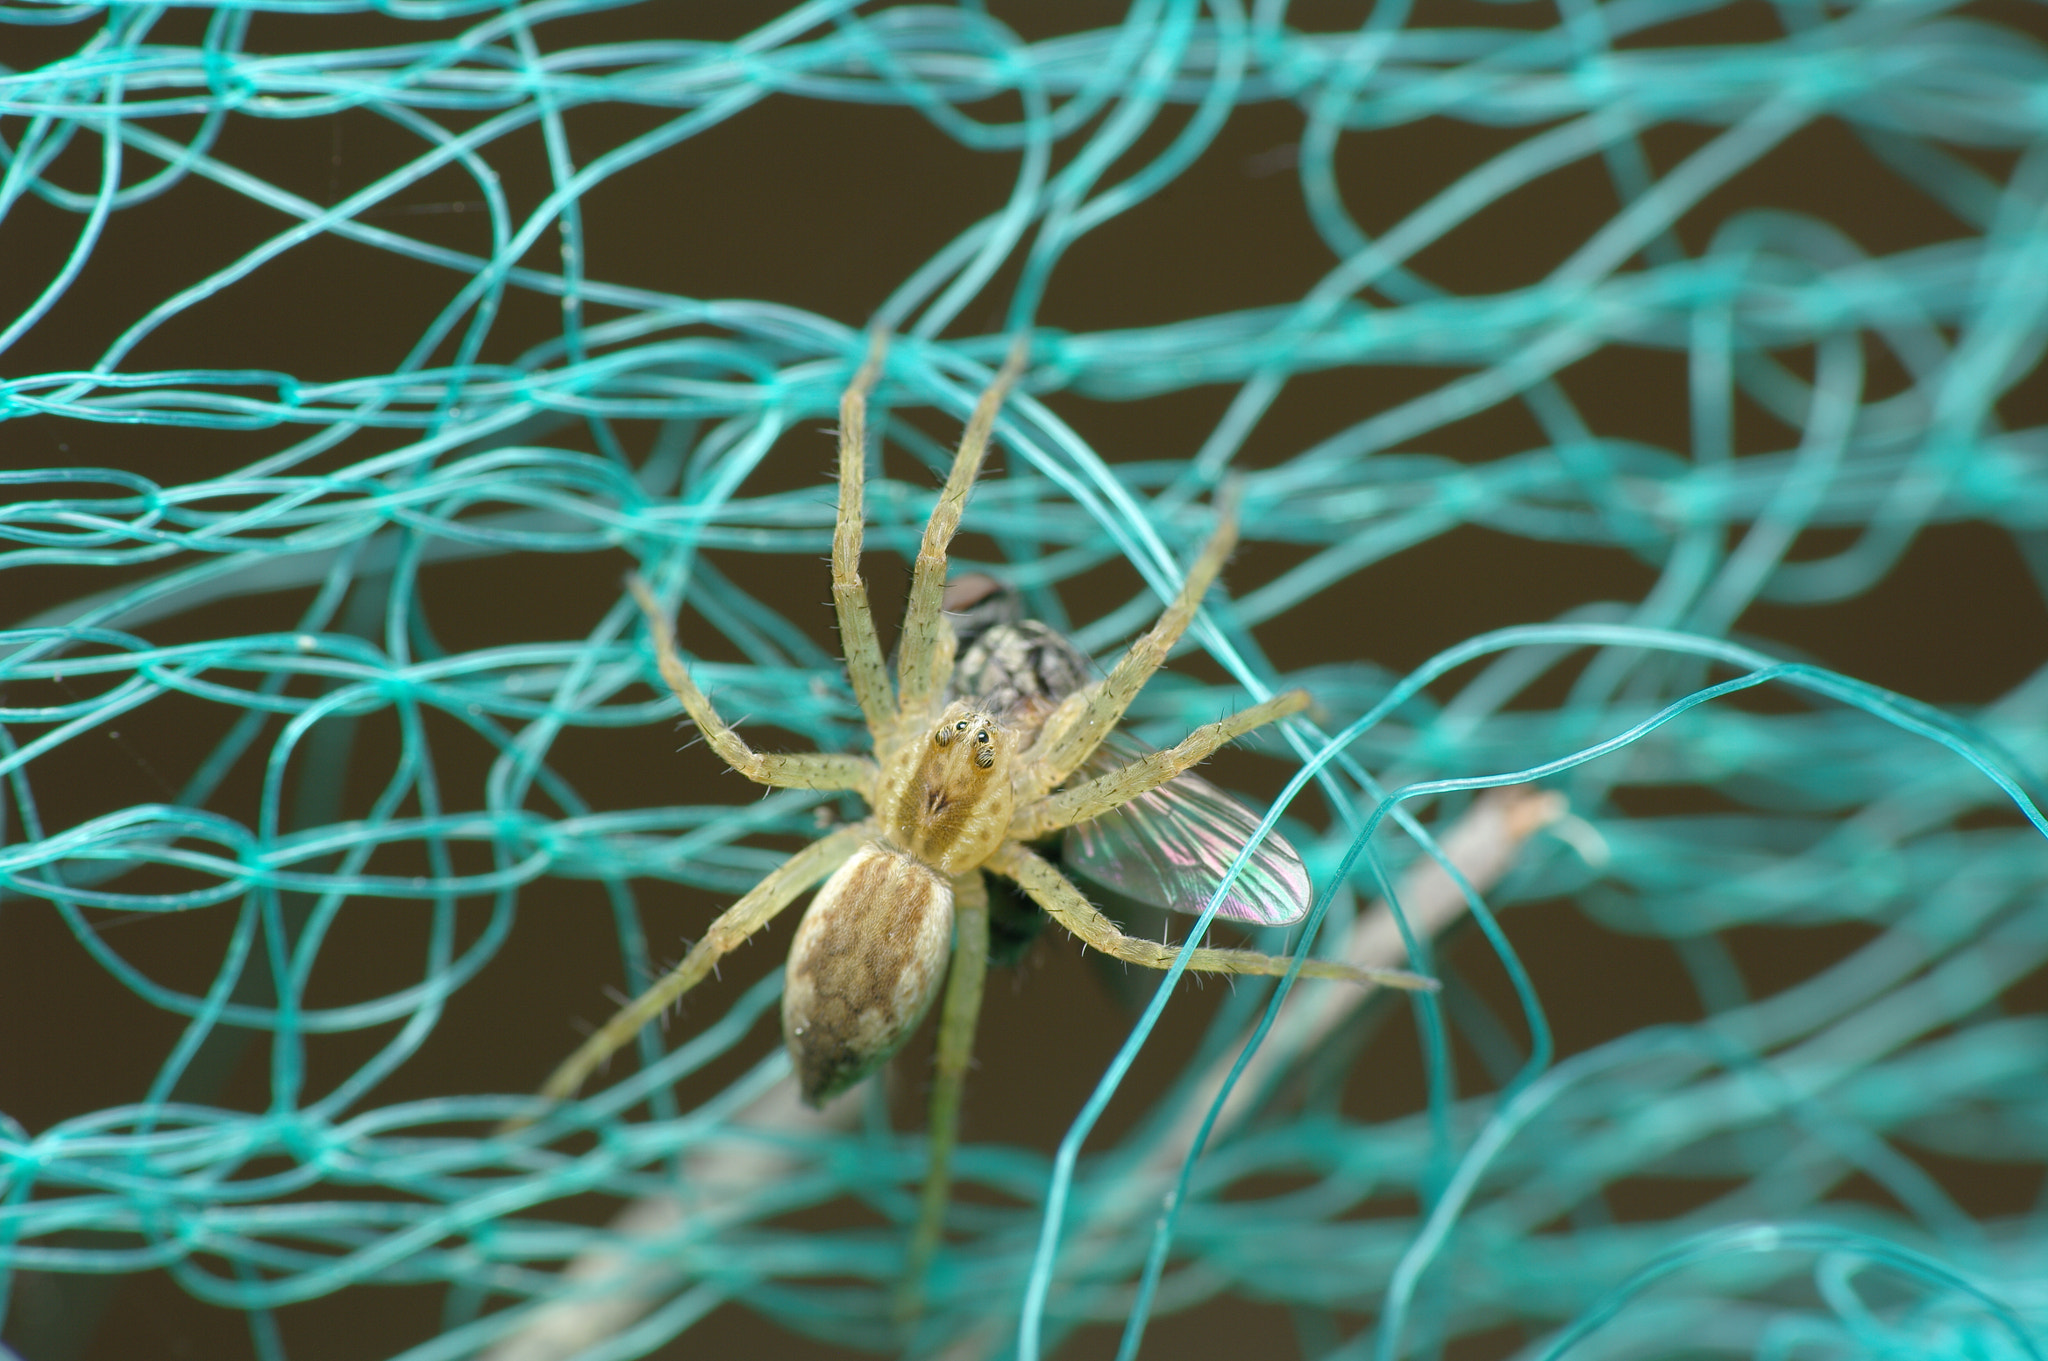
[1170, 847]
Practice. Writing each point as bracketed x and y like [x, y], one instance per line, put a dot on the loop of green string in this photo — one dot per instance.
[648, 429]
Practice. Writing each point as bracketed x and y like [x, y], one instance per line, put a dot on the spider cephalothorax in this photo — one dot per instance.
[951, 803]
[959, 788]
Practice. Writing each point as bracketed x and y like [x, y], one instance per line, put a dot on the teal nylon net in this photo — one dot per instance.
[1639, 398]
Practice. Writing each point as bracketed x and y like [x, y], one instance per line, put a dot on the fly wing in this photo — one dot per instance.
[1171, 845]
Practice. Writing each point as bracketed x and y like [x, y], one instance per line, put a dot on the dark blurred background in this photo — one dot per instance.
[828, 207]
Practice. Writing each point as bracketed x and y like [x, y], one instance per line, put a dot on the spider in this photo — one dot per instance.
[956, 791]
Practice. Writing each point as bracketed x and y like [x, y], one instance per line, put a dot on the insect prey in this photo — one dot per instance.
[1169, 847]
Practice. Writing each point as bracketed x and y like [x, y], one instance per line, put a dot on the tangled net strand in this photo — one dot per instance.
[280, 809]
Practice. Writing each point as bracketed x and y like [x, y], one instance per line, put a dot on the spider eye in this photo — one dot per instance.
[984, 756]
[982, 737]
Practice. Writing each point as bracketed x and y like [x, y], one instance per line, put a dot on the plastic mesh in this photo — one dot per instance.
[355, 353]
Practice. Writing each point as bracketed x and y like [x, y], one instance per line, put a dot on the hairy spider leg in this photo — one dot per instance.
[1051, 890]
[959, 1016]
[962, 1007]
[924, 663]
[1067, 904]
[1077, 727]
[1120, 786]
[865, 669]
[796, 770]
[921, 669]
[733, 926]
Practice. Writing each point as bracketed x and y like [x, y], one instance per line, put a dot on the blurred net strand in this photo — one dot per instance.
[607, 1288]
[1846, 1072]
[1473, 1162]
[582, 287]
[1479, 848]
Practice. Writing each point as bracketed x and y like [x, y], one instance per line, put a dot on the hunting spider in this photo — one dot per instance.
[956, 791]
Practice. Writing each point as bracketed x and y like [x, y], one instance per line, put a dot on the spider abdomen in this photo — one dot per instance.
[864, 967]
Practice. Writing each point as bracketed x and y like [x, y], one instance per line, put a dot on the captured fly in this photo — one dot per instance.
[1168, 847]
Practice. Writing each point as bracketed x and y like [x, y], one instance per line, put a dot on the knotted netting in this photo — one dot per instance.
[1638, 399]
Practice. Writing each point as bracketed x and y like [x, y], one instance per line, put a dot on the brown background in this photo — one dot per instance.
[826, 207]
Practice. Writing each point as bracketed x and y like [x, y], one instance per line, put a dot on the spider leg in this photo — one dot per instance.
[918, 661]
[1078, 725]
[800, 770]
[733, 925]
[957, 1020]
[1050, 889]
[1120, 786]
[864, 666]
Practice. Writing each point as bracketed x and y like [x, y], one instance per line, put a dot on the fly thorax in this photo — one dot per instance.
[864, 967]
[1019, 670]
[952, 808]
